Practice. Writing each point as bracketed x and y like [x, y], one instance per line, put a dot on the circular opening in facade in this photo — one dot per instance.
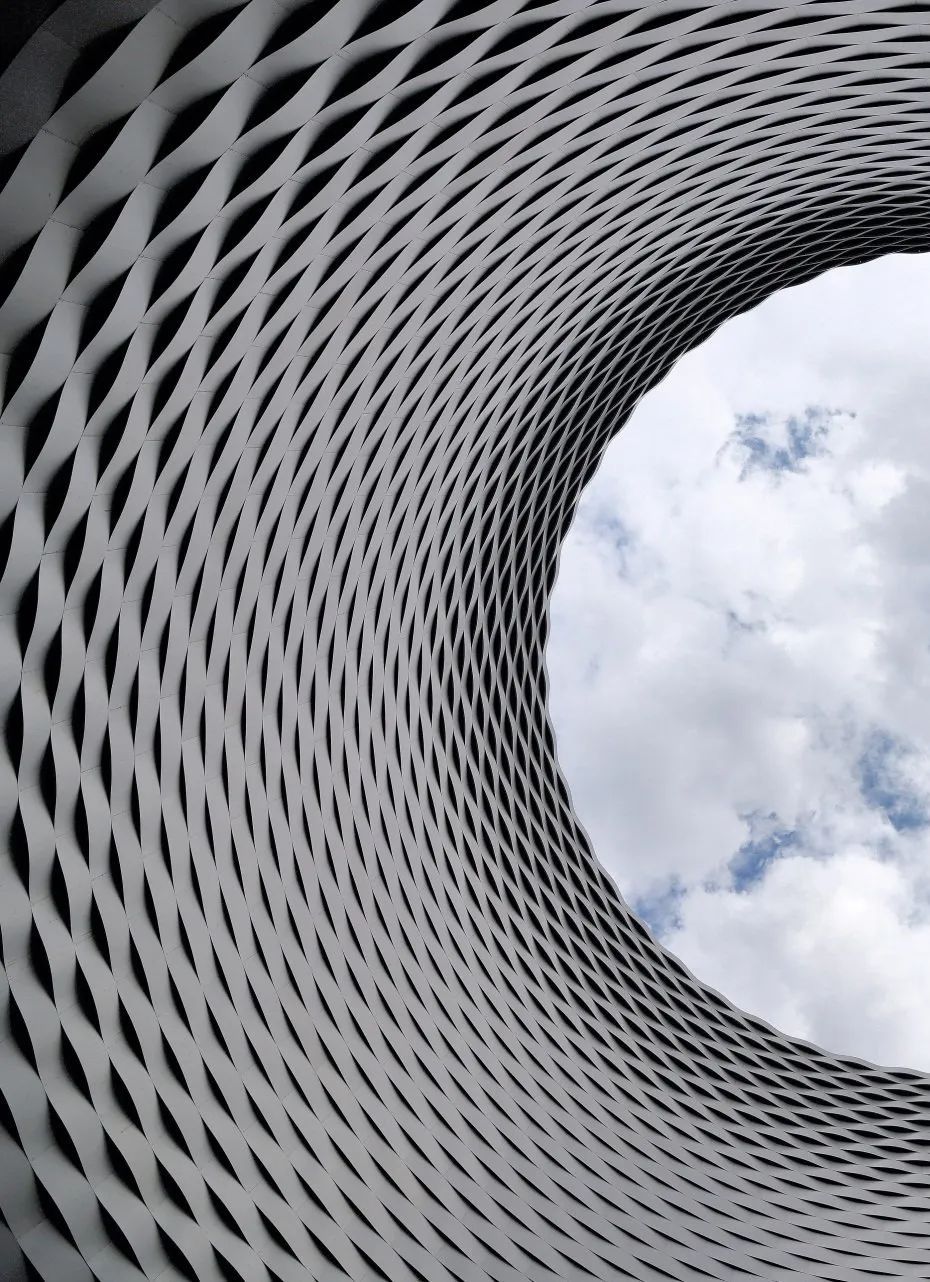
[739, 661]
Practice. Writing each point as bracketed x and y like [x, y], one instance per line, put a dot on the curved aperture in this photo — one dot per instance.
[316, 319]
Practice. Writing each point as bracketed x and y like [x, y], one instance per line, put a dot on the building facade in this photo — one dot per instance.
[316, 317]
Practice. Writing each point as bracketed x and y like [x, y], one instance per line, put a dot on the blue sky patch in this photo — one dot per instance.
[661, 910]
[882, 786]
[803, 436]
[769, 841]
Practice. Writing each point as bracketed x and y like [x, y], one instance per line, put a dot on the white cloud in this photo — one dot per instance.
[740, 660]
[823, 949]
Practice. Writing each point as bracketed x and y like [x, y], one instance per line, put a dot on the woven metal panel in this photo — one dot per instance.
[315, 320]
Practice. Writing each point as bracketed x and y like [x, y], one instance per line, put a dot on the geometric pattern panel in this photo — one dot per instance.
[316, 318]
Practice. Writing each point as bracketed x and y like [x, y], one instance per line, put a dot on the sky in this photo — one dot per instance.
[739, 661]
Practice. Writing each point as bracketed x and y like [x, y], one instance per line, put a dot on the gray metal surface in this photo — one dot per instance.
[316, 318]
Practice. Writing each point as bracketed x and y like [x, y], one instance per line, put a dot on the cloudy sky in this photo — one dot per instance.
[740, 661]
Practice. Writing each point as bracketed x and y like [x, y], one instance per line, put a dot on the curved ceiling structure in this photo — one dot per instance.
[316, 318]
